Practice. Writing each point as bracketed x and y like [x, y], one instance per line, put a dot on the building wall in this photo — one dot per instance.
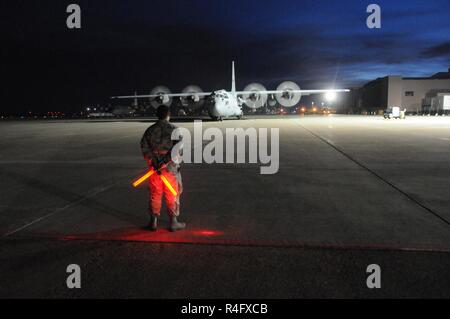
[374, 95]
[410, 93]
[394, 91]
[348, 103]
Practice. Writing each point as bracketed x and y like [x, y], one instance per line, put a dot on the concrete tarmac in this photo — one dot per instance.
[351, 191]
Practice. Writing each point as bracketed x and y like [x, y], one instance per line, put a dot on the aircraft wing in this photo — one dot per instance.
[201, 94]
[302, 92]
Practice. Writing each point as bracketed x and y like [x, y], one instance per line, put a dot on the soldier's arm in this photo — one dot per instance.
[145, 147]
[177, 149]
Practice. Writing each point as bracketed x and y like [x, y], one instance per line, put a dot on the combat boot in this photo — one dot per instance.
[175, 224]
[153, 223]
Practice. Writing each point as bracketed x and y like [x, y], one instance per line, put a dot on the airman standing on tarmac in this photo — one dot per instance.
[157, 146]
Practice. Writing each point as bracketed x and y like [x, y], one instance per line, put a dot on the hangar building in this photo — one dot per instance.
[416, 95]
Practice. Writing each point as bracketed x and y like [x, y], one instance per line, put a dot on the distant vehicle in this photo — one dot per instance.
[394, 112]
[222, 104]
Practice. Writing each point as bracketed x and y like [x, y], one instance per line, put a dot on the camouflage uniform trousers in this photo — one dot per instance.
[158, 189]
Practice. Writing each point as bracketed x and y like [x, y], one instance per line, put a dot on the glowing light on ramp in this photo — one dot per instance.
[330, 96]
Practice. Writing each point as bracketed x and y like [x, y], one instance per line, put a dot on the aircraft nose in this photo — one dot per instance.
[213, 108]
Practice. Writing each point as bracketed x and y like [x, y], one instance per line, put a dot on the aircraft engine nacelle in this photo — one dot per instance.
[256, 98]
[193, 101]
[162, 98]
[271, 101]
[288, 98]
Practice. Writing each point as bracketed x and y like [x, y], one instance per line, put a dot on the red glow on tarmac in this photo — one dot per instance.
[68, 238]
[207, 233]
[212, 237]
[144, 235]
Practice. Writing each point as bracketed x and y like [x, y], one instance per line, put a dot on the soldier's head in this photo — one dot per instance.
[163, 112]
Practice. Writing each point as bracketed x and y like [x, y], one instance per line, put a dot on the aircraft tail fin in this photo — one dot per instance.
[233, 80]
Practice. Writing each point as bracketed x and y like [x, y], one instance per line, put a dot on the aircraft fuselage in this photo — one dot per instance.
[223, 104]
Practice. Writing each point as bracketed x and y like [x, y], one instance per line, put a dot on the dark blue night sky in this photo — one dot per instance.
[128, 45]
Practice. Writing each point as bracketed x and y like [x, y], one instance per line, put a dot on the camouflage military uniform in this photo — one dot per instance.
[156, 146]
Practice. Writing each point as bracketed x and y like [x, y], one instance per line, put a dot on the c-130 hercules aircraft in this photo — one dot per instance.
[222, 104]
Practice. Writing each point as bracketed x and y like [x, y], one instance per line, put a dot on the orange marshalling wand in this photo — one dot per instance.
[143, 178]
[163, 178]
[166, 182]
